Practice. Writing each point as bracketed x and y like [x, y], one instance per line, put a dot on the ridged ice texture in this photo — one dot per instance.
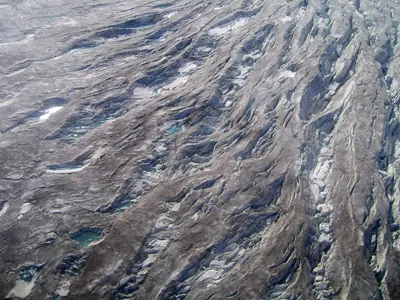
[219, 149]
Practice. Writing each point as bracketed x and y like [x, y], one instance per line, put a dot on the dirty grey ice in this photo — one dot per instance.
[243, 149]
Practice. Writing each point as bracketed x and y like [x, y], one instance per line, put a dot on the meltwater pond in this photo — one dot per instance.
[67, 167]
[176, 128]
[86, 236]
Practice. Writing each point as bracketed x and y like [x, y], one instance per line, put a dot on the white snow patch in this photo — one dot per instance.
[210, 275]
[325, 238]
[324, 208]
[22, 289]
[63, 290]
[159, 244]
[4, 209]
[163, 221]
[321, 172]
[325, 151]
[220, 31]
[161, 148]
[6, 103]
[240, 82]
[325, 227]
[170, 15]
[25, 208]
[287, 74]
[286, 19]
[49, 112]
[204, 49]
[140, 92]
[187, 67]
[195, 217]
[149, 261]
[300, 14]
[244, 71]
[176, 207]
[177, 82]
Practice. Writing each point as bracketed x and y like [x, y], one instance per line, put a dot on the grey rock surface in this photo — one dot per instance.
[241, 149]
